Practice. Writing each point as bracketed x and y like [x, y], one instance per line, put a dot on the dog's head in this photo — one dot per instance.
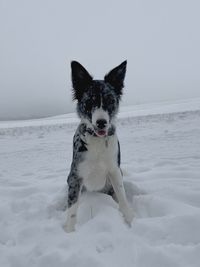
[97, 100]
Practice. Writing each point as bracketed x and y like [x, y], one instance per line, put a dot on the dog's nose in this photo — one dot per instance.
[101, 124]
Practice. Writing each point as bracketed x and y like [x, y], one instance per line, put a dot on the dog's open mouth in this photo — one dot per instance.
[101, 133]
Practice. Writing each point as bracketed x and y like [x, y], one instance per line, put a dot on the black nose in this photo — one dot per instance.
[101, 124]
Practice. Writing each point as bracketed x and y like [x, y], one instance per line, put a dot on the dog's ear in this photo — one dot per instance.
[81, 79]
[116, 77]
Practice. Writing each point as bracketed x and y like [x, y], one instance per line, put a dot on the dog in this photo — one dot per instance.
[96, 150]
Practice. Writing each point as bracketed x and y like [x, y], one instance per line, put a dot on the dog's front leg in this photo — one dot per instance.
[74, 190]
[118, 186]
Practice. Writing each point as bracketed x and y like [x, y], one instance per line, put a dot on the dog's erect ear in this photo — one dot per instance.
[80, 79]
[116, 77]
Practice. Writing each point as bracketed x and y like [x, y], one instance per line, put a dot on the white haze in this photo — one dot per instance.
[38, 39]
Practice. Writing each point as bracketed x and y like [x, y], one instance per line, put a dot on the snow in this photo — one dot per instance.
[160, 160]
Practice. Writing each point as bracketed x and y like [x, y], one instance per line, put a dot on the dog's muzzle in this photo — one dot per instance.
[101, 127]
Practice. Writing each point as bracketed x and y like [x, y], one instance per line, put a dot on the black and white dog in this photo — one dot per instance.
[96, 151]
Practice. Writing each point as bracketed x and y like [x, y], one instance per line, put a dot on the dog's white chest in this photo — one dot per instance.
[100, 158]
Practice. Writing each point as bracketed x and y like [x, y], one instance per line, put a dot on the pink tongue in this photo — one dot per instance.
[101, 133]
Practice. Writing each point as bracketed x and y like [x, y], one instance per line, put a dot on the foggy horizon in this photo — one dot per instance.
[160, 41]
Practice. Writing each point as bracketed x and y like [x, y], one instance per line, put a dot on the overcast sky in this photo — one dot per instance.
[39, 38]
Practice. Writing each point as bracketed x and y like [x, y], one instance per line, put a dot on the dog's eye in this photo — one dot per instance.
[93, 98]
[87, 105]
[112, 101]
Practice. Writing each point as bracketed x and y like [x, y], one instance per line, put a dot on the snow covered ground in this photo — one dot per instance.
[161, 165]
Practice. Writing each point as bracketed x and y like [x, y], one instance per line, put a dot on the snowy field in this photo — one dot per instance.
[161, 164]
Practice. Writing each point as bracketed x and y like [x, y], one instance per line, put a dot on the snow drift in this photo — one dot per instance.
[160, 161]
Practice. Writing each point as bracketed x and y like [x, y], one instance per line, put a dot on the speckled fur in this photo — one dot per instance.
[96, 160]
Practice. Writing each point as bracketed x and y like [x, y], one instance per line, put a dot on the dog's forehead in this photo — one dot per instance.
[100, 87]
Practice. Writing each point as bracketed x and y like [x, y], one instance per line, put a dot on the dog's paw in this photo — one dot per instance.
[69, 228]
[128, 214]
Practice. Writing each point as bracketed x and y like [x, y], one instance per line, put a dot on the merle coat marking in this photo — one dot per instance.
[96, 150]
